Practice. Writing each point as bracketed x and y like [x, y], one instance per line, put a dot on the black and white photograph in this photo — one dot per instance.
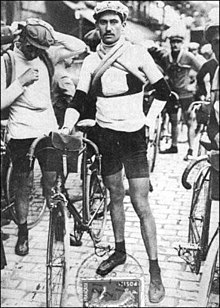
[109, 154]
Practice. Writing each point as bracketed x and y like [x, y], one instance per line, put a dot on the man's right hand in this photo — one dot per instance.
[29, 77]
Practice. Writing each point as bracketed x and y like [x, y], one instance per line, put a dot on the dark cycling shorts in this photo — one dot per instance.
[118, 149]
[184, 103]
[49, 160]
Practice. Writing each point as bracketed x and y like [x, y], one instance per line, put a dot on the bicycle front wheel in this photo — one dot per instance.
[154, 145]
[37, 203]
[97, 206]
[209, 285]
[199, 216]
[57, 256]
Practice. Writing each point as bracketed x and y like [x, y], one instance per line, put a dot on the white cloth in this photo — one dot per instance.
[122, 113]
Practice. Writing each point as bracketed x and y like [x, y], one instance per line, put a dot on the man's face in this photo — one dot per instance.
[30, 52]
[176, 45]
[215, 45]
[110, 27]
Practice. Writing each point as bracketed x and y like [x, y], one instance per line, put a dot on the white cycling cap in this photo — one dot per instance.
[114, 6]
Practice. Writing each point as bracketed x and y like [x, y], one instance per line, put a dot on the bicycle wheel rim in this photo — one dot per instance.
[157, 142]
[97, 207]
[57, 258]
[10, 194]
[153, 145]
[199, 200]
[37, 203]
[199, 217]
[210, 272]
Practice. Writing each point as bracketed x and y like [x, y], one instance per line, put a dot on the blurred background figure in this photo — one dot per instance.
[194, 48]
[9, 35]
[207, 52]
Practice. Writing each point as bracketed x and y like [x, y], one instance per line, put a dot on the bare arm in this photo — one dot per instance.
[195, 63]
[66, 46]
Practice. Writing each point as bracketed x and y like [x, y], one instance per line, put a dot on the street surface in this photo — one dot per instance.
[23, 279]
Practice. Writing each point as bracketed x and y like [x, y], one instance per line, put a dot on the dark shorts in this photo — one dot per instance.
[122, 149]
[183, 103]
[48, 159]
[186, 102]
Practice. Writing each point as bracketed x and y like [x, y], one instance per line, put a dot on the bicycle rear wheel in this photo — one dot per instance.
[199, 217]
[37, 203]
[209, 285]
[97, 206]
[57, 256]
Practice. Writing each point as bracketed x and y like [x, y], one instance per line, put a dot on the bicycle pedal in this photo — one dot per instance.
[185, 246]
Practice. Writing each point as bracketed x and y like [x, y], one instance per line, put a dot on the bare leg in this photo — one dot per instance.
[23, 190]
[139, 189]
[191, 126]
[116, 188]
[174, 129]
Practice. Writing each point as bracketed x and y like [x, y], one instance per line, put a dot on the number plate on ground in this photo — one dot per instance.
[113, 292]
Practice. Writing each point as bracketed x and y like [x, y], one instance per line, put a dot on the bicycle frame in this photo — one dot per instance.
[59, 234]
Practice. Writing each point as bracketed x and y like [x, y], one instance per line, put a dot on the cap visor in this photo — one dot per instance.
[35, 44]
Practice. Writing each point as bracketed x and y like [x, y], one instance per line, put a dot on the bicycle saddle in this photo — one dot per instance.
[66, 142]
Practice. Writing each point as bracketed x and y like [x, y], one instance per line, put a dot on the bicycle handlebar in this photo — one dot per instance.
[188, 169]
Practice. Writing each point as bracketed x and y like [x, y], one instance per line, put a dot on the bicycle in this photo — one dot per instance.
[89, 215]
[201, 249]
[198, 231]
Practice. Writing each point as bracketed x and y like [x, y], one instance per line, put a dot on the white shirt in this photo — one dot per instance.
[120, 113]
[31, 114]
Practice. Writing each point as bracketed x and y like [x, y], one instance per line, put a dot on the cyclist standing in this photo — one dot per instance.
[114, 77]
[31, 112]
[177, 65]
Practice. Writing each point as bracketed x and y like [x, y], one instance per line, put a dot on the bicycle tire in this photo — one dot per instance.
[210, 277]
[97, 211]
[194, 165]
[154, 145]
[199, 217]
[37, 203]
[58, 265]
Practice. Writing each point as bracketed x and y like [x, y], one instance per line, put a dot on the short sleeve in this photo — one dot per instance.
[148, 66]
[86, 75]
